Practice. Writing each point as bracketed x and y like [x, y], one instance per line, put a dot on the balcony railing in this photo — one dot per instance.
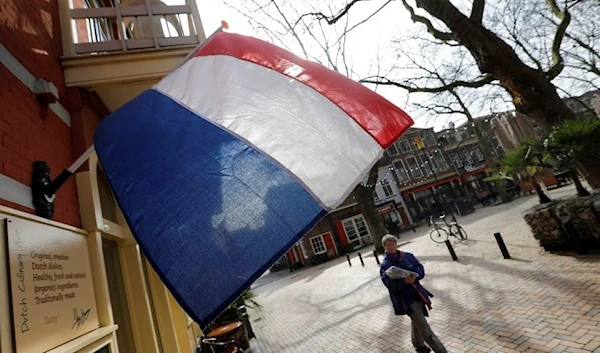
[105, 26]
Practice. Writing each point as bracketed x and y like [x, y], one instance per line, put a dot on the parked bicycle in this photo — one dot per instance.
[443, 230]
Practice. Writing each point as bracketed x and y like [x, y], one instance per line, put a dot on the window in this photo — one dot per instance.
[466, 155]
[430, 141]
[318, 244]
[478, 154]
[357, 231]
[413, 166]
[405, 146]
[425, 163]
[387, 188]
[440, 161]
[392, 150]
[456, 160]
[401, 171]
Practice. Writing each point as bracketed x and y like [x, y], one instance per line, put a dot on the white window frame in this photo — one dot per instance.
[322, 240]
[386, 186]
[358, 238]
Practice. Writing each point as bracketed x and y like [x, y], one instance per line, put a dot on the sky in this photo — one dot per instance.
[373, 36]
[370, 44]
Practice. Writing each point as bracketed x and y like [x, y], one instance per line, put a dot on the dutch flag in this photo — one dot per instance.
[229, 160]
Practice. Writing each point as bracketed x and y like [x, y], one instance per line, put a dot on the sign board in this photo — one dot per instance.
[53, 298]
[470, 168]
[419, 143]
[385, 209]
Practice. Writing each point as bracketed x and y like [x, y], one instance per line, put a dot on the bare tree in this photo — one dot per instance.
[283, 24]
[525, 75]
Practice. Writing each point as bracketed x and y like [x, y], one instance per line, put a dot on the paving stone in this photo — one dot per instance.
[534, 302]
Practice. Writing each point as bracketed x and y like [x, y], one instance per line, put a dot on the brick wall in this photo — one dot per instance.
[30, 30]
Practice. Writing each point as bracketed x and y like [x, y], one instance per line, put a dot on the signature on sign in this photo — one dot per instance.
[79, 317]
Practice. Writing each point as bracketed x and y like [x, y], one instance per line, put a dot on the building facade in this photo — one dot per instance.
[79, 282]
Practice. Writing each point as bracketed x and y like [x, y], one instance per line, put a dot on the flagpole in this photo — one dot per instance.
[41, 184]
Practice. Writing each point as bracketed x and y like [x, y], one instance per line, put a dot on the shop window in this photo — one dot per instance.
[318, 245]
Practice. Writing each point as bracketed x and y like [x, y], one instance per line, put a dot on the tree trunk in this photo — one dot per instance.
[532, 91]
[364, 197]
[538, 189]
[581, 191]
[590, 169]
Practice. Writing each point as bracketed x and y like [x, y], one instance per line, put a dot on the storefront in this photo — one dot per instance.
[394, 217]
[423, 203]
[86, 289]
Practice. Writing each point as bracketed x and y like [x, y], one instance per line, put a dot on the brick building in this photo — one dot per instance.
[65, 65]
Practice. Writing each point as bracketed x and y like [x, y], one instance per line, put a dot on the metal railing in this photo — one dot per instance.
[104, 26]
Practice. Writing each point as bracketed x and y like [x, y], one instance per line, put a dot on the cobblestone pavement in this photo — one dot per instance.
[535, 302]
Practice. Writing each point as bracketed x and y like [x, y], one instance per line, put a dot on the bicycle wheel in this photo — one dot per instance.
[458, 232]
[439, 235]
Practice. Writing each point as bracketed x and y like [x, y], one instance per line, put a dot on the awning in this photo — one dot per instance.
[431, 185]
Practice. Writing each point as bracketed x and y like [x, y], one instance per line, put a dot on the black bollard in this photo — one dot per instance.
[502, 246]
[376, 257]
[451, 249]
[348, 257]
[361, 260]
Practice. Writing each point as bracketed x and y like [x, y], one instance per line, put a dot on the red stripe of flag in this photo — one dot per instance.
[377, 116]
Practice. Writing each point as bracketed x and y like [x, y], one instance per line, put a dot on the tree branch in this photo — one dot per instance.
[411, 88]
[584, 45]
[443, 36]
[330, 19]
[477, 11]
[557, 61]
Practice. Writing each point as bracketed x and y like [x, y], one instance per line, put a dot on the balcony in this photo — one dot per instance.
[120, 48]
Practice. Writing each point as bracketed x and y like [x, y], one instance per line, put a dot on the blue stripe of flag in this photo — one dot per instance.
[210, 212]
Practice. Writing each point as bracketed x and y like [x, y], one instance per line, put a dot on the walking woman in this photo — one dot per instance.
[408, 295]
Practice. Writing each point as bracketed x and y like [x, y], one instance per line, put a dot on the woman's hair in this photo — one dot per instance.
[388, 237]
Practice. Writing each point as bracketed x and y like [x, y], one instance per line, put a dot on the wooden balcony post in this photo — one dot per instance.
[66, 27]
[196, 19]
